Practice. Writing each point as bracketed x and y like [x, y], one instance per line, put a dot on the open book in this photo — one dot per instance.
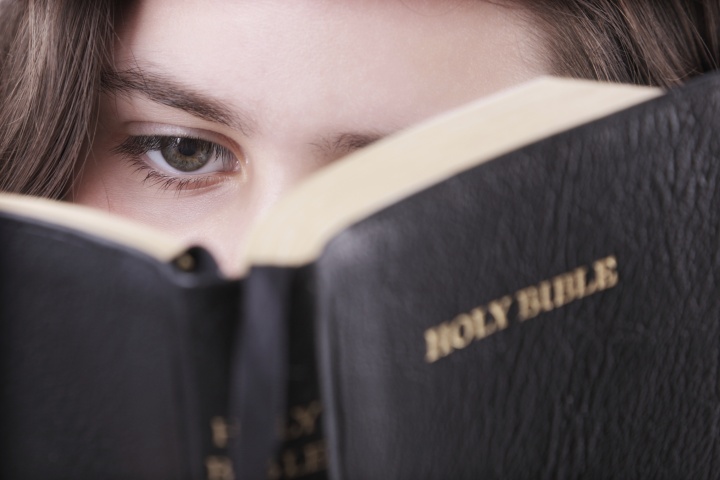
[523, 287]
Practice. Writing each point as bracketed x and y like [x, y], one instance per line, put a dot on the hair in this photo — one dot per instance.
[53, 54]
[645, 42]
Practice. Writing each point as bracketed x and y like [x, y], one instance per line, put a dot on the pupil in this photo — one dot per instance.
[187, 147]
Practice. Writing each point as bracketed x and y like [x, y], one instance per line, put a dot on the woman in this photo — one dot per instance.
[195, 116]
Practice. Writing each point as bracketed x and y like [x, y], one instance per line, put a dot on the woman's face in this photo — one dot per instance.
[217, 107]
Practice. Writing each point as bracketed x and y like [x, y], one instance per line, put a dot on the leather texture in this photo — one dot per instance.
[622, 383]
[275, 387]
[111, 364]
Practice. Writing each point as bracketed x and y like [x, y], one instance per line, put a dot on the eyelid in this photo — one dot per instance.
[148, 129]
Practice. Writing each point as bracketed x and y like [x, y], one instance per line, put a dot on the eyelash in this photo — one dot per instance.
[134, 148]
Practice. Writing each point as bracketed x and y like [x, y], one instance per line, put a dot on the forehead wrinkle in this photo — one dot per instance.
[161, 89]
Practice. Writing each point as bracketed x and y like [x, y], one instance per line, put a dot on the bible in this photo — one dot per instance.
[522, 287]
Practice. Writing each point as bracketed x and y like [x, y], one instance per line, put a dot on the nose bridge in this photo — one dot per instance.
[272, 171]
[277, 168]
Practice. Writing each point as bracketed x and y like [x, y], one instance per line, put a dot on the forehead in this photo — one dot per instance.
[403, 57]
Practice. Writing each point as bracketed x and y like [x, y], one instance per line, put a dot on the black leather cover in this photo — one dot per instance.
[615, 377]
[275, 387]
[550, 314]
[112, 365]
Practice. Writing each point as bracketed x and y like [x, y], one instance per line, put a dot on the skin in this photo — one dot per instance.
[299, 84]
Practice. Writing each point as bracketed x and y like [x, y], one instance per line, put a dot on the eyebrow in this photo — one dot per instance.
[345, 143]
[163, 90]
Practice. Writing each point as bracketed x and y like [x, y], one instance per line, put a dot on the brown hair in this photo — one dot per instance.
[53, 52]
[52, 55]
[645, 42]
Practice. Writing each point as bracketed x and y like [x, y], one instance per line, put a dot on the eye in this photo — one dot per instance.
[180, 156]
[190, 155]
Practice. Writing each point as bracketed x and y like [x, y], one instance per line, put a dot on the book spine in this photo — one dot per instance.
[276, 393]
[302, 453]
